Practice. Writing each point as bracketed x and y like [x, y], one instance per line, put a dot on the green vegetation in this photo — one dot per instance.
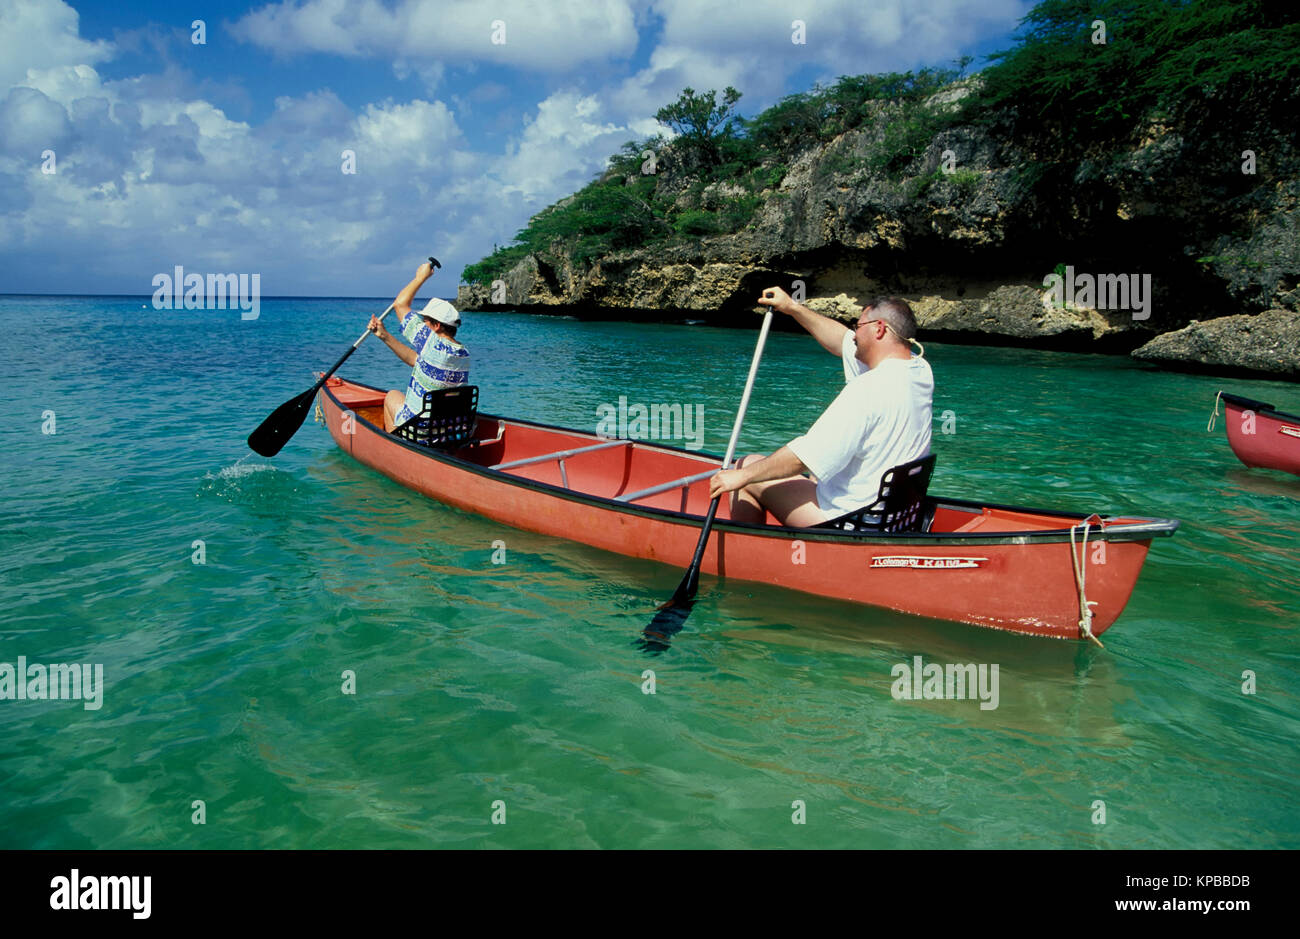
[1240, 260]
[808, 119]
[1170, 60]
[713, 176]
[965, 182]
[599, 219]
[1074, 102]
[703, 126]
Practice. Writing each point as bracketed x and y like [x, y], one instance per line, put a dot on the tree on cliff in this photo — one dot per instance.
[702, 124]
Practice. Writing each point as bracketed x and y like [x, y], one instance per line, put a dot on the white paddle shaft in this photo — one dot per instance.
[749, 387]
[381, 319]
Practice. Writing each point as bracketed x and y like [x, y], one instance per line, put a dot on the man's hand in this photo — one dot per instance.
[726, 481]
[778, 300]
[757, 468]
[424, 271]
[377, 327]
[829, 333]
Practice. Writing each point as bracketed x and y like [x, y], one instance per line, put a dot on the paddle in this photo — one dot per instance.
[274, 432]
[672, 615]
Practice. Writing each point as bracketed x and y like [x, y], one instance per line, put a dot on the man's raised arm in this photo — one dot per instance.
[828, 332]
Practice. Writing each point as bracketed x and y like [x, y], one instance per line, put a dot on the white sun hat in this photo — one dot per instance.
[442, 311]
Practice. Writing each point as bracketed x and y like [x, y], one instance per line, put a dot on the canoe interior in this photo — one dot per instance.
[615, 471]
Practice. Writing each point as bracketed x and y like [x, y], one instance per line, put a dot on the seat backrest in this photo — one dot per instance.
[900, 506]
[446, 420]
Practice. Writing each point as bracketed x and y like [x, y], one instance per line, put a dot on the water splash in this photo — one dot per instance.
[240, 469]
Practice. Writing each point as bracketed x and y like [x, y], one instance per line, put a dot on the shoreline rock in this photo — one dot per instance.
[1265, 343]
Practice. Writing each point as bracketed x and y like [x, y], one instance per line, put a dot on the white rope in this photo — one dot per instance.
[1213, 417]
[1080, 564]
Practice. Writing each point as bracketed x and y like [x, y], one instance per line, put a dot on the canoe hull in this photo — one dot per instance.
[1023, 583]
[1262, 436]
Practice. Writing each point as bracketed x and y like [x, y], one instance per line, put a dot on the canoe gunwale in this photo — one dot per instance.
[1259, 407]
[1142, 529]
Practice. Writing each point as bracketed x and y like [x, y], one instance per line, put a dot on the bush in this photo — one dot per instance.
[966, 181]
[803, 120]
[906, 137]
[696, 222]
[493, 266]
[1161, 58]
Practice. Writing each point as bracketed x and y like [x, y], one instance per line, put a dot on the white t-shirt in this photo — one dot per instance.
[880, 420]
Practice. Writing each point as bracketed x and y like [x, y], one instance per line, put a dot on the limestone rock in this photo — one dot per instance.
[1268, 342]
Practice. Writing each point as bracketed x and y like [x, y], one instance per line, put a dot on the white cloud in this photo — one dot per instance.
[414, 134]
[560, 148]
[30, 122]
[846, 36]
[42, 34]
[556, 35]
[146, 180]
[151, 175]
[64, 83]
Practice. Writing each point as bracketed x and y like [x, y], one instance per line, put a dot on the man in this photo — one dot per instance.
[437, 359]
[879, 420]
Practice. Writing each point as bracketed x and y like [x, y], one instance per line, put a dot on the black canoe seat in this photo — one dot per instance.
[901, 505]
[446, 420]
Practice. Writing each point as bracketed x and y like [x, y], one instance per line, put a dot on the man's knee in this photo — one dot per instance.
[752, 458]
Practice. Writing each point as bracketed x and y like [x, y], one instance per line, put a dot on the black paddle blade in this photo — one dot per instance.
[672, 616]
[667, 623]
[274, 432]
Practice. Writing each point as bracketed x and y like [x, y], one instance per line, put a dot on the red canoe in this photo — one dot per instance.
[1261, 435]
[989, 565]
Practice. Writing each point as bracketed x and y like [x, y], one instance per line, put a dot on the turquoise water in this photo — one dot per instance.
[518, 682]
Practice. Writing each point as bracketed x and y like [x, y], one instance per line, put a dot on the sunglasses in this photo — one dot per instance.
[862, 323]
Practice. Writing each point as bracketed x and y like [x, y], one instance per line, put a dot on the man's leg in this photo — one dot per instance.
[792, 500]
[393, 402]
[744, 506]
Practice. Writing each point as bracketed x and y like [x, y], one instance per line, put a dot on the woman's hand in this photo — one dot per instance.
[377, 327]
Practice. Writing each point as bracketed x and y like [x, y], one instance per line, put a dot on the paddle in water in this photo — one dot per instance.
[672, 615]
[274, 432]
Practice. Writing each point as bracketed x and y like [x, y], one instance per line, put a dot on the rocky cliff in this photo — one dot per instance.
[1173, 228]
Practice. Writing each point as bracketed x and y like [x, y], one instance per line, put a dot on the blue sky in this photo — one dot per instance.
[227, 156]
